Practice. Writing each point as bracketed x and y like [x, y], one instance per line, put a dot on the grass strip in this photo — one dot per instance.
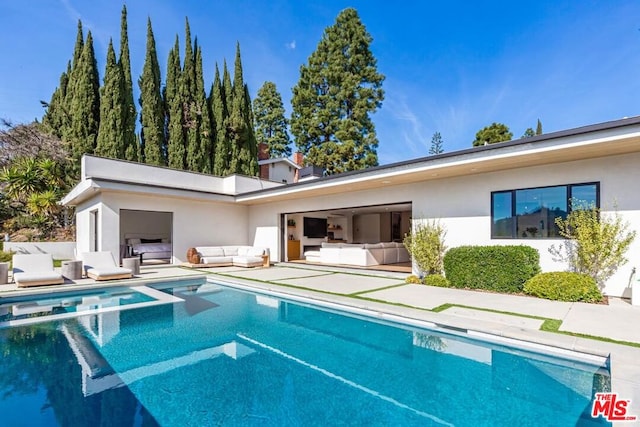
[355, 294]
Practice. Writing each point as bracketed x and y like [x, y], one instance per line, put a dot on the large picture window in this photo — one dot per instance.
[531, 213]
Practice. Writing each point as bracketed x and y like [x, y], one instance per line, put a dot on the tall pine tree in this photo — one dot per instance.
[338, 90]
[85, 105]
[436, 144]
[174, 110]
[130, 140]
[113, 110]
[270, 123]
[152, 114]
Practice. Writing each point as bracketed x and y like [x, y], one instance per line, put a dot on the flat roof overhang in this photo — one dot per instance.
[578, 144]
[91, 187]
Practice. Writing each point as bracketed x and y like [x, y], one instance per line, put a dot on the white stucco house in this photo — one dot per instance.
[506, 193]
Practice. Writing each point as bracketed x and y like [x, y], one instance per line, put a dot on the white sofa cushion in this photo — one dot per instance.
[216, 260]
[247, 261]
[210, 251]
[230, 250]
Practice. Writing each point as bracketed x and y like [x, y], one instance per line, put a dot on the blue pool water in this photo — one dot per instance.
[227, 357]
[65, 303]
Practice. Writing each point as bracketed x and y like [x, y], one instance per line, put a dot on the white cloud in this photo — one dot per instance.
[291, 45]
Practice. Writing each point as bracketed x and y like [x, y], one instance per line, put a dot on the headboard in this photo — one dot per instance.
[128, 236]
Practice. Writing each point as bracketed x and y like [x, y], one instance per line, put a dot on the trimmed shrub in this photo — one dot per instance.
[5, 256]
[412, 279]
[426, 246]
[436, 280]
[564, 286]
[495, 268]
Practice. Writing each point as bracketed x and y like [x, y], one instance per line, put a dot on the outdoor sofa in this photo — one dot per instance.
[35, 270]
[102, 266]
[238, 256]
[359, 254]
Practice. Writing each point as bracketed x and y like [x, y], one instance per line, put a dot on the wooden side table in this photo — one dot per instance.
[72, 270]
[265, 261]
[132, 264]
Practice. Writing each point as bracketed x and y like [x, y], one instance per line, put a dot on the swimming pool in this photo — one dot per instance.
[222, 356]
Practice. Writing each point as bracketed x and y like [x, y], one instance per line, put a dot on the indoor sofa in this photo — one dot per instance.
[238, 256]
[359, 254]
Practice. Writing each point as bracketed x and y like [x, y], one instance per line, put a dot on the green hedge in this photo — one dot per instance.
[495, 268]
[563, 286]
[436, 280]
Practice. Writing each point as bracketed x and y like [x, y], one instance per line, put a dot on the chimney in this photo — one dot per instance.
[263, 154]
[298, 159]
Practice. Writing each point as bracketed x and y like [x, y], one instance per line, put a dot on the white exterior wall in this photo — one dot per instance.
[83, 223]
[463, 205]
[195, 223]
[281, 171]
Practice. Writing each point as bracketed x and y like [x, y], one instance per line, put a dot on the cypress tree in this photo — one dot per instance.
[205, 126]
[130, 140]
[243, 144]
[270, 123]
[338, 90]
[252, 168]
[66, 131]
[188, 93]
[111, 132]
[85, 104]
[174, 111]
[539, 128]
[55, 118]
[240, 137]
[232, 149]
[152, 115]
[219, 112]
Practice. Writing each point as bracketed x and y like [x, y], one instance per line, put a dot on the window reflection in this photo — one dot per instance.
[532, 212]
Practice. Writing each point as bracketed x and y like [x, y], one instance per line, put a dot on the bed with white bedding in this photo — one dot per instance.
[150, 246]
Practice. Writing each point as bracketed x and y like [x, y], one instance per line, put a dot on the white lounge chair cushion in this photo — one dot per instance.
[108, 271]
[36, 277]
[97, 260]
[32, 263]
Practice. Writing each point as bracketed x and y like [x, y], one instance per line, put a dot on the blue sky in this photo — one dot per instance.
[450, 66]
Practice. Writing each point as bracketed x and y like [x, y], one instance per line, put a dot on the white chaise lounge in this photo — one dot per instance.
[102, 266]
[35, 270]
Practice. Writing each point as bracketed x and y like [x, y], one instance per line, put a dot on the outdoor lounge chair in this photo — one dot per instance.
[102, 266]
[35, 270]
